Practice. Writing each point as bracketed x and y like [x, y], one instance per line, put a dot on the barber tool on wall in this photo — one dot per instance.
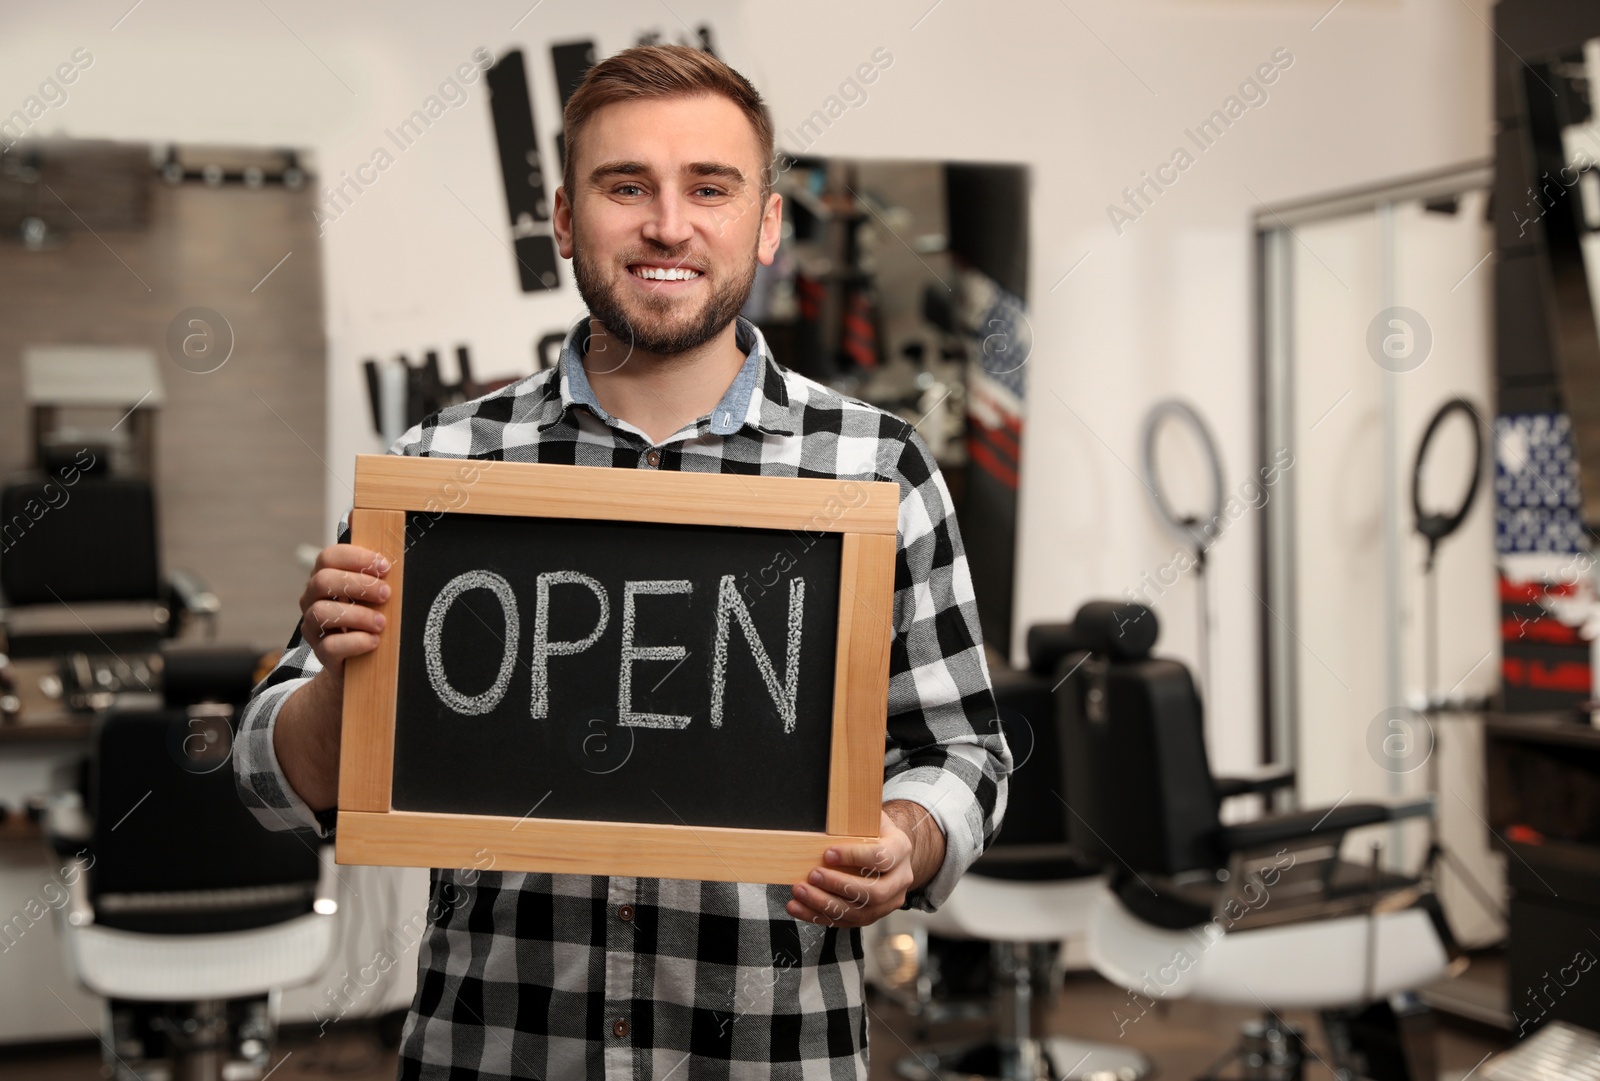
[1434, 526]
[702, 39]
[402, 394]
[521, 168]
[1195, 530]
[572, 61]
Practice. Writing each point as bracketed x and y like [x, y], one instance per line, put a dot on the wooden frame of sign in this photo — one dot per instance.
[370, 831]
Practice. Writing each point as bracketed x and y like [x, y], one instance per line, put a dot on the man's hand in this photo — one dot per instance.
[861, 884]
[337, 610]
[338, 620]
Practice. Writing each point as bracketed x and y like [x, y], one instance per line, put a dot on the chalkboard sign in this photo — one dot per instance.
[608, 671]
[612, 673]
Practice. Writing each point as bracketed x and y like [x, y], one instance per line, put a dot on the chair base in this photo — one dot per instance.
[1268, 1050]
[1390, 1040]
[1055, 1058]
[205, 1040]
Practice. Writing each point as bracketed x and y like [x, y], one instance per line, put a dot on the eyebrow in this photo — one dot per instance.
[717, 169]
[618, 168]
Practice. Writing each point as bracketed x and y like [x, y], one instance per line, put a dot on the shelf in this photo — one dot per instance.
[18, 829]
[1564, 729]
[65, 729]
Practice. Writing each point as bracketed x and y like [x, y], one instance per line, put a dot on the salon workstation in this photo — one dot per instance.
[744, 540]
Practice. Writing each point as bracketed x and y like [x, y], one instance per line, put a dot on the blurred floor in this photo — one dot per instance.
[351, 1055]
[1181, 1039]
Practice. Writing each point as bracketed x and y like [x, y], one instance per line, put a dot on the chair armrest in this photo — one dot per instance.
[1260, 782]
[191, 594]
[79, 912]
[66, 825]
[1066, 861]
[187, 597]
[326, 902]
[1298, 825]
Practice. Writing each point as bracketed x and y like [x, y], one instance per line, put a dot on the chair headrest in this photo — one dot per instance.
[1125, 632]
[192, 674]
[88, 541]
[1121, 631]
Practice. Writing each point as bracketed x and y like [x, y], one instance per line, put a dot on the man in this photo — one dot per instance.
[665, 210]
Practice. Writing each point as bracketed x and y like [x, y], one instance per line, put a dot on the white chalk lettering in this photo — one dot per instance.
[730, 603]
[631, 653]
[543, 648]
[477, 704]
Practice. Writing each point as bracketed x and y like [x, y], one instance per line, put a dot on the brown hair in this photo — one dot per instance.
[662, 71]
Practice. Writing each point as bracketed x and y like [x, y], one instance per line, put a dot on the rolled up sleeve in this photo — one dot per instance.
[262, 785]
[944, 749]
[259, 776]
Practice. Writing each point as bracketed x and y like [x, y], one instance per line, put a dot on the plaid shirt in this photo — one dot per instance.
[574, 976]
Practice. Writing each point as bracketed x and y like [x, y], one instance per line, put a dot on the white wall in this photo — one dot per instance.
[1087, 96]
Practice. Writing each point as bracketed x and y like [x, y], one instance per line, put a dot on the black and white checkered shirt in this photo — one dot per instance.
[561, 977]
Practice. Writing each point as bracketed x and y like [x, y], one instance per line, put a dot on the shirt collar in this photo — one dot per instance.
[758, 397]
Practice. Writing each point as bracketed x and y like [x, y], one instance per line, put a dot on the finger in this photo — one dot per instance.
[329, 584]
[343, 646]
[805, 913]
[808, 915]
[831, 904]
[343, 616]
[878, 857]
[830, 899]
[870, 888]
[348, 557]
[859, 895]
[834, 915]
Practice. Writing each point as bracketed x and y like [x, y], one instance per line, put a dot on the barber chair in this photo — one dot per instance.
[185, 914]
[1264, 914]
[1027, 894]
[72, 538]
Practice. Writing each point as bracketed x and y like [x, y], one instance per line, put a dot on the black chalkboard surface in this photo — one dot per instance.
[572, 669]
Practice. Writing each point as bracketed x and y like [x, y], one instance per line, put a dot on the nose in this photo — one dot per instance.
[669, 226]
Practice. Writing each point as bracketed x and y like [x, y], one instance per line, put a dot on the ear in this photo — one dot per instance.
[561, 223]
[771, 229]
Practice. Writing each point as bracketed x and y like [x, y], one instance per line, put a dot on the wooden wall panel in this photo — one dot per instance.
[239, 474]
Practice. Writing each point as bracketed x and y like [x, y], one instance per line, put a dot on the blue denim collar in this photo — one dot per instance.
[727, 417]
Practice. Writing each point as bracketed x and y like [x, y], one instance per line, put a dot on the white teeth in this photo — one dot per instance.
[666, 274]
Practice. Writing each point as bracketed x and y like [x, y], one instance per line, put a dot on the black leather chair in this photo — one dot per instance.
[1266, 913]
[185, 913]
[94, 540]
[1028, 893]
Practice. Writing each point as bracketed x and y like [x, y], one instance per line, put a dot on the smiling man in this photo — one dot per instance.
[666, 209]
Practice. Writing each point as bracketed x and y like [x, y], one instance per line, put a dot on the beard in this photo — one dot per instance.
[659, 324]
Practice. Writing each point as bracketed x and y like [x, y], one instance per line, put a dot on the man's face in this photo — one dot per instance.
[666, 224]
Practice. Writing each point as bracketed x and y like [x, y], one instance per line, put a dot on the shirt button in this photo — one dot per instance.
[653, 459]
[619, 1028]
[625, 913]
